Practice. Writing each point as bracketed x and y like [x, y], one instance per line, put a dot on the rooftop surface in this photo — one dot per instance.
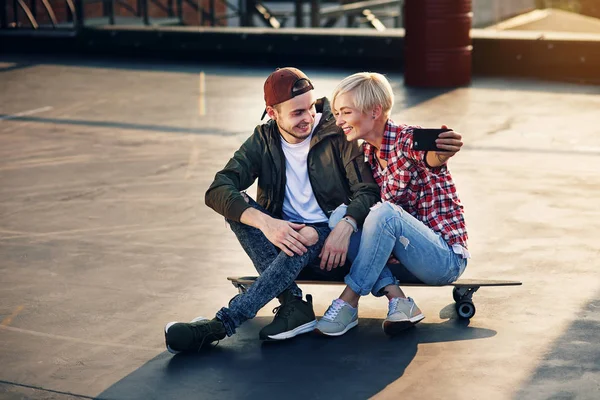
[105, 237]
[551, 20]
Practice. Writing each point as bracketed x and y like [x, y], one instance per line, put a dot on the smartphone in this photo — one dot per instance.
[424, 139]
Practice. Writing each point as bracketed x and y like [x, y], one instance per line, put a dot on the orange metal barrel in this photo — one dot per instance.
[437, 43]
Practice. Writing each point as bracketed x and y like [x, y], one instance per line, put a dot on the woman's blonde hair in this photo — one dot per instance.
[369, 89]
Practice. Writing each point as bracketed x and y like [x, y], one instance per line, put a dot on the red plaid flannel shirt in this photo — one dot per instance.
[426, 193]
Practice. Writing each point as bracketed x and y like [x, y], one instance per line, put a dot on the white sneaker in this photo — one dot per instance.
[402, 314]
[339, 318]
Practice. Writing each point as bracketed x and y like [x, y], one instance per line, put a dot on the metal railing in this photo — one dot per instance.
[75, 14]
[38, 14]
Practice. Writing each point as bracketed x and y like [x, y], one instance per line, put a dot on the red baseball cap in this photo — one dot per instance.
[279, 86]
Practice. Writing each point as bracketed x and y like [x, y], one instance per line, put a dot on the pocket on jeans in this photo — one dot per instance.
[456, 270]
[461, 267]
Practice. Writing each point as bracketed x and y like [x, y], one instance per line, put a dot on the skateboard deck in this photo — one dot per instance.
[462, 293]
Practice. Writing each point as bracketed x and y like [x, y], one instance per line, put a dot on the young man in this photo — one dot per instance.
[305, 169]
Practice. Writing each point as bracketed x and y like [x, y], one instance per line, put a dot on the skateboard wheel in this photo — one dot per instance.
[456, 295]
[465, 309]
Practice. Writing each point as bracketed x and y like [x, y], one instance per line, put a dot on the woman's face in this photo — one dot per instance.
[356, 125]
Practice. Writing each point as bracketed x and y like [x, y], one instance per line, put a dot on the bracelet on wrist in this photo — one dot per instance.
[352, 224]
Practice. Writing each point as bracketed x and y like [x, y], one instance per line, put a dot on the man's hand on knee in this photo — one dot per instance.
[283, 234]
[286, 236]
[310, 234]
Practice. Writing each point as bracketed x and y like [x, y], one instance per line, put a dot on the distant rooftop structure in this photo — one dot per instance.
[550, 20]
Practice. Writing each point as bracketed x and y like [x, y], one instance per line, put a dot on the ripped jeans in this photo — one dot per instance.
[389, 229]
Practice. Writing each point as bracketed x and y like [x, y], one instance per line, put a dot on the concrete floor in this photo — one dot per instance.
[104, 237]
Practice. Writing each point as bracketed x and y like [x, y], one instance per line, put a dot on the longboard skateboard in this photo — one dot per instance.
[462, 293]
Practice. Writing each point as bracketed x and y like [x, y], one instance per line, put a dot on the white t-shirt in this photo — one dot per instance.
[299, 203]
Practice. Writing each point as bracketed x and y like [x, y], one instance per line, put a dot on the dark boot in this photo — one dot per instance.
[193, 336]
[293, 317]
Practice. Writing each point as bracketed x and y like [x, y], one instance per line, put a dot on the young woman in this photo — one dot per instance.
[419, 221]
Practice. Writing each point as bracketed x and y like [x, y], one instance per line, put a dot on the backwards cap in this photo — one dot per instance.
[279, 86]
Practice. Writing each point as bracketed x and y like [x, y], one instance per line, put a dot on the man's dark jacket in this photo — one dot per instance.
[336, 169]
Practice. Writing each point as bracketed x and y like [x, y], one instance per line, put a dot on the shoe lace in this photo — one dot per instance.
[394, 304]
[283, 310]
[201, 333]
[333, 310]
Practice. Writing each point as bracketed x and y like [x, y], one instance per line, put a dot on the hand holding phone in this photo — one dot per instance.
[424, 139]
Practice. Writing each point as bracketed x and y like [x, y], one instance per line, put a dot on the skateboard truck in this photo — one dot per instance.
[242, 283]
[463, 296]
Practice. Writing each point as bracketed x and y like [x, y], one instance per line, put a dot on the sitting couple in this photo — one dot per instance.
[323, 197]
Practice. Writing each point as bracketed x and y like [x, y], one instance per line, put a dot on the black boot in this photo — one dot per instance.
[293, 317]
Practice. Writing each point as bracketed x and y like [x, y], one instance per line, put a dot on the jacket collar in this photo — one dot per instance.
[327, 126]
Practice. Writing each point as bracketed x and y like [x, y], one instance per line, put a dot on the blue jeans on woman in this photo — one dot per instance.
[389, 229]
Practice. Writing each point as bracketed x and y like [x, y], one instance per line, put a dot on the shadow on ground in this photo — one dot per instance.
[354, 366]
[571, 369]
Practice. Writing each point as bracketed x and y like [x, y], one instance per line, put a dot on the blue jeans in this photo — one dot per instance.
[277, 271]
[389, 229]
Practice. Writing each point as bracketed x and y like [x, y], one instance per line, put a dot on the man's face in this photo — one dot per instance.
[295, 117]
[356, 124]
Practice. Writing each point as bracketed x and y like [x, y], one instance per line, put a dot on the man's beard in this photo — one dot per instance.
[296, 135]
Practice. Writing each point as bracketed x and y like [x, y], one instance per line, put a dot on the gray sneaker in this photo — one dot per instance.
[402, 314]
[339, 318]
